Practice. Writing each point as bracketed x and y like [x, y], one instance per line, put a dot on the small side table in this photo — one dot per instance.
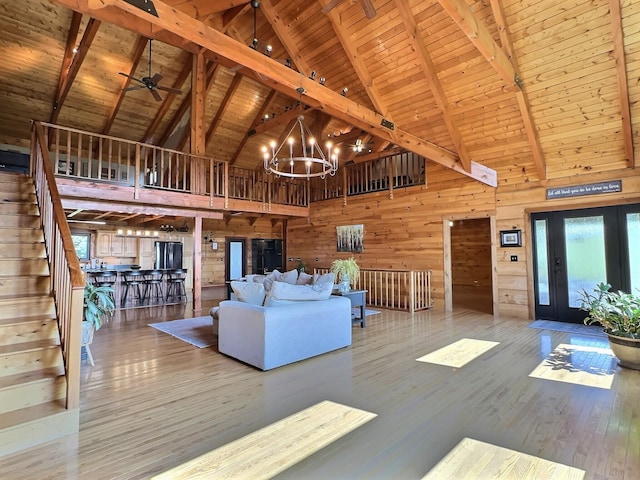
[358, 298]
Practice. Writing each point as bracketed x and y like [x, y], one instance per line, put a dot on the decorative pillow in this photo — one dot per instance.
[214, 312]
[282, 292]
[290, 277]
[252, 293]
[304, 279]
[324, 278]
[270, 278]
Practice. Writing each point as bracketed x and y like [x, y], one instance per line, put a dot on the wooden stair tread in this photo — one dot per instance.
[30, 377]
[35, 412]
[28, 346]
[28, 319]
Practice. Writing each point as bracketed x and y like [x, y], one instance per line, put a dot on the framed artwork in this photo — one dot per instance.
[350, 238]
[510, 238]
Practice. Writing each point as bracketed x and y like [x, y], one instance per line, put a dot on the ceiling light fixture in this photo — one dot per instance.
[306, 159]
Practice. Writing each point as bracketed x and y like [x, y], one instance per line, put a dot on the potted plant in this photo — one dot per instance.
[346, 271]
[98, 302]
[619, 314]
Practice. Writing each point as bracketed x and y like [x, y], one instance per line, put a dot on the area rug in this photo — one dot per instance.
[576, 328]
[197, 331]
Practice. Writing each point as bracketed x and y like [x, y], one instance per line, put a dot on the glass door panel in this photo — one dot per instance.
[633, 245]
[585, 255]
[542, 261]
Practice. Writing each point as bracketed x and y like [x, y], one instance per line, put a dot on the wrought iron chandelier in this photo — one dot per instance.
[305, 158]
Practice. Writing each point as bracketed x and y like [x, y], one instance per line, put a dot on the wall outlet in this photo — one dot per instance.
[514, 258]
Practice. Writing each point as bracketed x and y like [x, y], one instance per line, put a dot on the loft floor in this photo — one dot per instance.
[153, 402]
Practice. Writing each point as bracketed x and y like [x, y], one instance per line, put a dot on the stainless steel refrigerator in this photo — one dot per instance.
[168, 255]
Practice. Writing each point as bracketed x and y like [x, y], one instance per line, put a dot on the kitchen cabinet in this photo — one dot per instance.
[103, 244]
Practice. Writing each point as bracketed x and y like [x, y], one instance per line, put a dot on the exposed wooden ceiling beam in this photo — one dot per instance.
[231, 16]
[357, 63]
[521, 94]
[198, 98]
[69, 52]
[75, 212]
[282, 78]
[259, 115]
[278, 120]
[168, 100]
[623, 85]
[138, 50]
[75, 203]
[224, 105]
[74, 67]
[415, 39]
[203, 8]
[459, 11]
[281, 32]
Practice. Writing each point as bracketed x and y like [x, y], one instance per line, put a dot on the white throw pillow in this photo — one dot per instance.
[304, 279]
[282, 292]
[324, 278]
[290, 277]
[252, 293]
[270, 278]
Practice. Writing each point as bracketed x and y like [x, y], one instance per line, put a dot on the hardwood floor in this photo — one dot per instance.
[153, 402]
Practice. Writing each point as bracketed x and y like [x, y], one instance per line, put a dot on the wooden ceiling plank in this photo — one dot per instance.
[74, 67]
[138, 50]
[282, 78]
[482, 39]
[357, 62]
[231, 16]
[424, 57]
[521, 95]
[278, 121]
[129, 217]
[235, 83]
[182, 109]
[270, 13]
[623, 84]
[168, 100]
[142, 209]
[368, 9]
[256, 120]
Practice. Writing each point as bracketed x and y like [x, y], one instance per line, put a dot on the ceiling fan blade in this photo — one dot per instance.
[168, 89]
[135, 87]
[156, 78]
[156, 95]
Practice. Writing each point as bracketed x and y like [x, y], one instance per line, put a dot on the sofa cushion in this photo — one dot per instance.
[324, 278]
[252, 293]
[290, 277]
[282, 293]
[270, 278]
[304, 279]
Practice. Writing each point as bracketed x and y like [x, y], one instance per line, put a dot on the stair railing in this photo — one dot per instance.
[67, 279]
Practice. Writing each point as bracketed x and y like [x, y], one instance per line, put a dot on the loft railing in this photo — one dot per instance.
[395, 289]
[257, 185]
[67, 279]
[399, 170]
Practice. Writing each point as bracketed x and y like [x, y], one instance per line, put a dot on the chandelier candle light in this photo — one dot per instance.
[305, 159]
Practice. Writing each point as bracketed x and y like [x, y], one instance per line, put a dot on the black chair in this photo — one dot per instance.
[153, 285]
[175, 284]
[132, 279]
[106, 278]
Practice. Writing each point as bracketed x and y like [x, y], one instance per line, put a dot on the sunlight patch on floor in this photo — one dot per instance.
[578, 364]
[276, 447]
[472, 459]
[459, 353]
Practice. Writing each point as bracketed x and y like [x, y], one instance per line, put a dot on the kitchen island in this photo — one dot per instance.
[136, 287]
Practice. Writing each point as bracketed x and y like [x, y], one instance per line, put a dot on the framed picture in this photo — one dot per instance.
[350, 238]
[510, 238]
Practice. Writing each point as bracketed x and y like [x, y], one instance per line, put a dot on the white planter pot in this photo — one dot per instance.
[627, 350]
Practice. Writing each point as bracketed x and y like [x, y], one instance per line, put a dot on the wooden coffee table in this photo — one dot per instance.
[358, 298]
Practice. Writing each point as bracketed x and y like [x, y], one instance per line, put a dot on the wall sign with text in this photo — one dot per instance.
[582, 190]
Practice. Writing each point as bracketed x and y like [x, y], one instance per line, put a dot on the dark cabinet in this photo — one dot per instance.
[266, 255]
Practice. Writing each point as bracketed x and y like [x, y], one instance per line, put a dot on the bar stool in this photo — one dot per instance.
[153, 285]
[132, 279]
[106, 278]
[175, 283]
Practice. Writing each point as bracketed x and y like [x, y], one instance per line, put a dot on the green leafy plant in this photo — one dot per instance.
[98, 302]
[618, 312]
[301, 266]
[348, 266]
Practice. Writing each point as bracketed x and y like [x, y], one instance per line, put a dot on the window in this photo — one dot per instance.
[82, 244]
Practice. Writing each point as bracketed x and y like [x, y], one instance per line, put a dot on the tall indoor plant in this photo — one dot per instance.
[619, 314]
[98, 303]
[347, 272]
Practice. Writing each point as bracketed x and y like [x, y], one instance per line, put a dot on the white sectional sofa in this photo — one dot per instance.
[269, 337]
[282, 318]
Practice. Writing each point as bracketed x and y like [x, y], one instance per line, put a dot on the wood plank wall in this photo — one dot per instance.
[471, 253]
[213, 261]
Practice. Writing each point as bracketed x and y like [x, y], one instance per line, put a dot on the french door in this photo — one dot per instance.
[577, 249]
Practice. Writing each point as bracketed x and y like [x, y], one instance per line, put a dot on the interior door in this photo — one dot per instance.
[235, 258]
[575, 250]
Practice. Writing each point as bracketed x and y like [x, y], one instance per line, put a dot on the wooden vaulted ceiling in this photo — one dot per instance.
[503, 91]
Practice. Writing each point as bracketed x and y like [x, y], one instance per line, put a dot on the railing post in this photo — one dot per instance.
[74, 347]
[225, 184]
[412, 292]
[136, 183]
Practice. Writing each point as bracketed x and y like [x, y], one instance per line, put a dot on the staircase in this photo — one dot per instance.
[32, 374]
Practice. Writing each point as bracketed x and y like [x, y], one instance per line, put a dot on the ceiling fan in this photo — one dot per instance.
[149, 82]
